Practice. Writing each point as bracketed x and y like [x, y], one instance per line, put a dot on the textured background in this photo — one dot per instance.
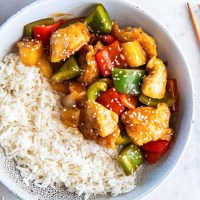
[184, 182]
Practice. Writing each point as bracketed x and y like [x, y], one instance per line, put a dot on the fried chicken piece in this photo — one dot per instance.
[145, 124]
[129, 34]
[66, 41]
[90, 70]
[96, 120]
[154, 85]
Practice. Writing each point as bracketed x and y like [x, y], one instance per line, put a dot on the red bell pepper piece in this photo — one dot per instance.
[110, 99]
[107, 38]
[155, 146]
[153, 155]
[128, 101]
[109, 57]
[173, 90]
[43, 33]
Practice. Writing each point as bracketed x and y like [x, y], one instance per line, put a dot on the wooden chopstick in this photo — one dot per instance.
[194, 22]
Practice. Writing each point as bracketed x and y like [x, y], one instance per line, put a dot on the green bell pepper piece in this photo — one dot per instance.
[98, 21]
[128, 81]
[154, 102]
[123, 139]
[130, 158]
[95, 89]
[68, 70]
[28, 28]
[69, 22]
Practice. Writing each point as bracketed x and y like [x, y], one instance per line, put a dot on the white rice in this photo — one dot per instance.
[46, 152]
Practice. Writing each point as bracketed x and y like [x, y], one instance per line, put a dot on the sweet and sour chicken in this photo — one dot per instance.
[154, 85]
[67, 41]
[129, 34]
[115, 89]
[90, 71]
[96, 120]
[145, 124]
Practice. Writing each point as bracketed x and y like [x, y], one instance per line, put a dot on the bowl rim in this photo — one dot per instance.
[148, 14]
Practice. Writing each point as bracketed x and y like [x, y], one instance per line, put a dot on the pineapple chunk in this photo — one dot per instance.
[110, 140]
[30, 50]
[70, 116]
[134, 53]
[45, 67]
[129, 34]
[78, 91]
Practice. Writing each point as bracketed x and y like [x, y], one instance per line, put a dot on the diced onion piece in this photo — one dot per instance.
[68, 101]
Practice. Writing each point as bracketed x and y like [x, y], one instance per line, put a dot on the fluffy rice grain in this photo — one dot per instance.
[45, 151]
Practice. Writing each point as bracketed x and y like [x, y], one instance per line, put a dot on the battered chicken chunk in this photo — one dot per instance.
[154, 85]
[90, 70]
[145, 124]
[96, 120]
[129, 34]
[66, 41]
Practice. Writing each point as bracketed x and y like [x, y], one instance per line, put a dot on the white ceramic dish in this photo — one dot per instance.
[126, 13]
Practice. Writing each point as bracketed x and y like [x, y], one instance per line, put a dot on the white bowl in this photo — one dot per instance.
[125, 13]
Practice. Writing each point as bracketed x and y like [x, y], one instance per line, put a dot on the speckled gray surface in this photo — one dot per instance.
[184, 182]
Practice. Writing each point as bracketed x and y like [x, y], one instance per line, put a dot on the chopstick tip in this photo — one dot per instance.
[194, 22]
